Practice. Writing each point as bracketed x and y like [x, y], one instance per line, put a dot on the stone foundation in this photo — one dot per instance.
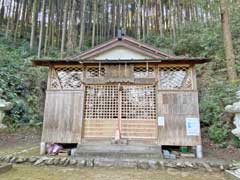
[108, 162]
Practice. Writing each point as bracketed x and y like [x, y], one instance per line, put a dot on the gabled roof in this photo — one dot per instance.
[149, 54]
[125, 42]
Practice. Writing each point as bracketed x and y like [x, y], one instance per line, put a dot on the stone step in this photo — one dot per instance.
[118, 151]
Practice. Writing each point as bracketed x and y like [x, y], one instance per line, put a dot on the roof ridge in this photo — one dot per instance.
[93, 48]
[146, 48]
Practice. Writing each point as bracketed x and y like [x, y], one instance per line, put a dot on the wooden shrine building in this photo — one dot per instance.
[122, 89]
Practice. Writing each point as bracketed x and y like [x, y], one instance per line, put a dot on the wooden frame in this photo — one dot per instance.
[98, 125]
[190, 76]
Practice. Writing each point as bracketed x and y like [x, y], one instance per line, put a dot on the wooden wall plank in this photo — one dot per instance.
[63, 116]
[176, 106]
[100, 128]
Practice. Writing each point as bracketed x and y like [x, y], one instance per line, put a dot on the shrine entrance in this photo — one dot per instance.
[127, 109]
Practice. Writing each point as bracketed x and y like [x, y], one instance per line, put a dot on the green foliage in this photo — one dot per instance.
[164, 43]
[210, 111]
[199, 40]
[235, 34]
[20, 83]
[217, 133]
[214, 98]
[236, 141]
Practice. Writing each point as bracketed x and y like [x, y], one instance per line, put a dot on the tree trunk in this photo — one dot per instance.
[72, 27]
[18, 20]
[174, 22]
[34, 23]
[108, 23]
[143, 20]
[41, 29]
[118, 14]
[2, 12]
[229, 53]
[113, 18]
[160, 18]
[82, 28]
[94, 22]
[147, 17]
[64, 27]
[23, 18]
[16, 17]
[8, 19]
[48, 28]
[139, 19]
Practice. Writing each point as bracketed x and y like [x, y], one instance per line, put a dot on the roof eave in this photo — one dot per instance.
[49, 62]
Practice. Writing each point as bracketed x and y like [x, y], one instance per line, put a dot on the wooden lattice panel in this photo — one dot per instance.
[143, 72]
[101, 102]
[93, 72]
[138, 102]
[175, 77]
[66, 77]
[132, 108]
[101, 111]
[138, 119]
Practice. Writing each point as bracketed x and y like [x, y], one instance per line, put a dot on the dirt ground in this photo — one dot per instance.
[23, 172]
[23, 139]
[213, 151]
[26, 140]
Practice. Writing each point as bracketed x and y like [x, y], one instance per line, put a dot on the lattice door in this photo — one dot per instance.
[138, 119]
[101, 111]
[130, 108]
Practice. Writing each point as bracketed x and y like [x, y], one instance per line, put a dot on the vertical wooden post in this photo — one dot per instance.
[147, 68]
[99, 69]
[83, 89]
[119, 109]
[125, 70]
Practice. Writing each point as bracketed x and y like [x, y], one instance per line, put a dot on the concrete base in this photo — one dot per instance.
[199, 153]
[42, 148]
[118, 151]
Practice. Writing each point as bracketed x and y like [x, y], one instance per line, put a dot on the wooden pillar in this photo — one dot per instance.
[119, 112]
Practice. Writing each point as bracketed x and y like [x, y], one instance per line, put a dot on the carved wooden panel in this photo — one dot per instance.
[93, 72]
[175, 77]
[66, 77]
[143, 72]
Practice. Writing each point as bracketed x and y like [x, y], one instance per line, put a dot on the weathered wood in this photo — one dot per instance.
[175, 107]
[100, 128]
[115, 107]
[139, 129]
[63, 116]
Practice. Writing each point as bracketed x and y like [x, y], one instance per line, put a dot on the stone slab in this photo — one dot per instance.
[5, 167]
